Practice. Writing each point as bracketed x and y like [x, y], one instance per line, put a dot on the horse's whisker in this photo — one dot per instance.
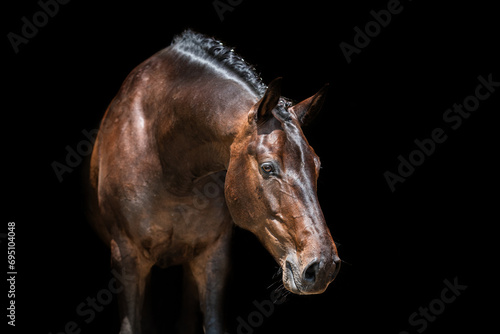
[343, 261]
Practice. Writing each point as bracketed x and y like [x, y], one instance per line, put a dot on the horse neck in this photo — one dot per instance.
[205, 125]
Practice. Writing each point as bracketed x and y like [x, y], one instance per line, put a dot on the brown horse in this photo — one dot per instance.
[192, 144]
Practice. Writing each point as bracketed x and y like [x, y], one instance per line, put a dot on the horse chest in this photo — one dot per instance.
[184, 229]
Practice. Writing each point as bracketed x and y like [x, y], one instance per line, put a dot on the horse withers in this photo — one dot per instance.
[192, 113]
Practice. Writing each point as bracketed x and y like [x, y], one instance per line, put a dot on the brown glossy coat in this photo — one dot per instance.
[186, 150]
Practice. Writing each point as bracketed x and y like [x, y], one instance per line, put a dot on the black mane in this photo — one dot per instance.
[215, 51]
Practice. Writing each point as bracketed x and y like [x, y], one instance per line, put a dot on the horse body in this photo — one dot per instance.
[158, 171]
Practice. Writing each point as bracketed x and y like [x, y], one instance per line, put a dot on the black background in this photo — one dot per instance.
[398, 247]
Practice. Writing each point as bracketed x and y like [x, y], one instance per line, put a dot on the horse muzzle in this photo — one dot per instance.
[310, 276]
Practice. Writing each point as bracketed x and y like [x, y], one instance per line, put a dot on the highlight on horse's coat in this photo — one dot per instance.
[193, 113]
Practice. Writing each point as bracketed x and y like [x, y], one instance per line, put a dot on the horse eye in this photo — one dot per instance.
[267, 168]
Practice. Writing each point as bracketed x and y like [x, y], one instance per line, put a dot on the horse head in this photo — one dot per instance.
[271, 190]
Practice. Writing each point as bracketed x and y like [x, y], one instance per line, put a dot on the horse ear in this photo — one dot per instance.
[269, 101]
[307, 110]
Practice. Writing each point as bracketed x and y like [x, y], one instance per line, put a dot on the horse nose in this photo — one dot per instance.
[318, 274]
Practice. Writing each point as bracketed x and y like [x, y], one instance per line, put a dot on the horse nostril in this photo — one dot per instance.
[311, 272]
[334, 273]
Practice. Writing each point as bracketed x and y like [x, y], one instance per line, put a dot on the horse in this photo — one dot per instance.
[193, 144]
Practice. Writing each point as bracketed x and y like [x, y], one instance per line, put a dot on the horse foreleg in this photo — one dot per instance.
[189, 321]
[127, 260]
[210, 269]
